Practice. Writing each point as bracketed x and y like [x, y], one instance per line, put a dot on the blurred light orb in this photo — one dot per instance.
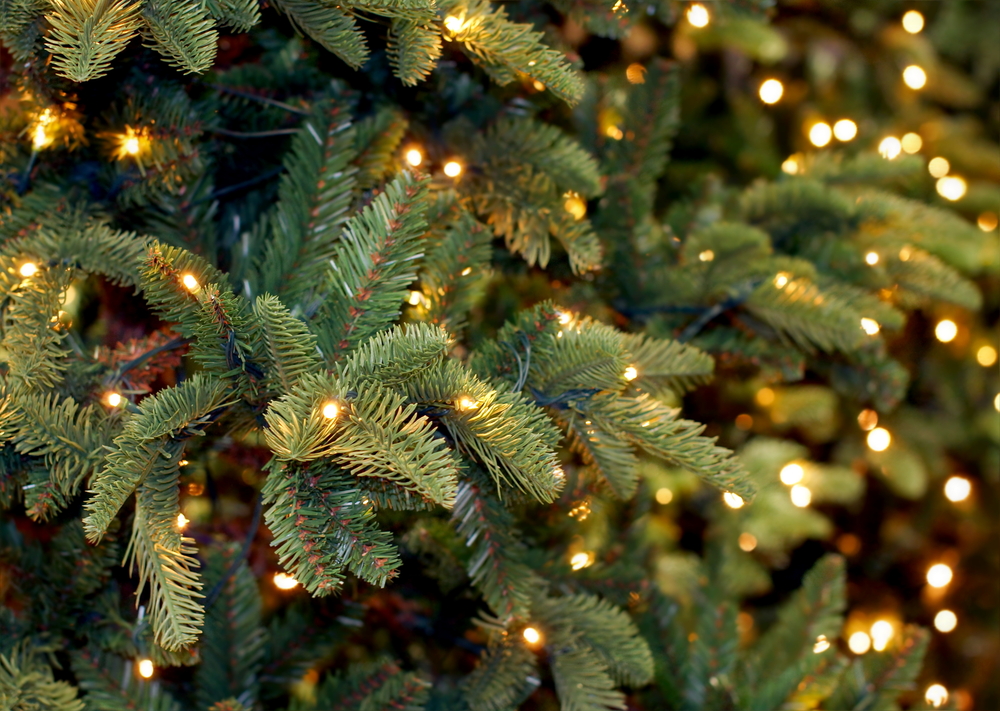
[790, 166]
[951, 187]
[871, 259]
[792, 474]
[890, 148]
[914, 77]
[879, 439]
[631, 373]
[859, 642]
[706, 256]
[698, 15]
[822, 644]
[765, 397]
[532, 635]
[945, 621]
[733, 501]
[414, 157]
[28, 269]
[635, 73]
[146, 668]
[912, 143]
[946, 330]
[452, 169]
[748, 542]
[845, 130]
[820, 134]
[881, 634]
[771, 91]
[801, 496]
[957, 488]
[870, 326]
[986, 356]
[939, 575]
[987, 221]
[664, 495]
[113, 399]
[867, 420]
[938, 167]
[182, 521]
[936, 695]
[913, 22]
[579, 561]
[283, 581]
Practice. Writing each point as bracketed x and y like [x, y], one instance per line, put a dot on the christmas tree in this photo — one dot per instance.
[401, 354]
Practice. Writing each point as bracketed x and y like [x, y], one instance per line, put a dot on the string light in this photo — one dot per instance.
[996, 403]
[28, 269]
[771, 91]
[415, 298]
[870, 326]
[957, 488]
[939, 575]
[581, 510]
[945, 621]
[635, 73]
[882, 632]
[822, 644]
[890, 148]
[938, 167]
[912, 143]
[40, 138]
[664, 495]
[706, 256]
[190, 283]
[614, 132]
[733, 501]
[113, 399]
[780, 280]
[531, 635]
[867, 420]
[414, 157]
[790, 165]
[765, 397]
[986, 356]
[558, 476]
[913, 22]
[914, 77]
[466, 403]
[859, 643]
[698, 15]
[631, 373]
[467, 271]
[845, 130]
[283, 581]
[182, 521]
[537, 85]
[452, 169]
[801, 496]
[879, 439]
[936, 695]
[946, 330]
[130, 143]
[579, 561]
[575, 205]
[987, 221]
[146, 668]
[330, 410]
[565, 317]
[951, 187]
[871, 258]
[454, 24]
[792, 474]
[820, 134]
[747, 542]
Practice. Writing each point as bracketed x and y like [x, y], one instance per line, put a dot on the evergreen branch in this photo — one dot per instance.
[377, 141]
[374, 685]
[27, 682]
[87, 34]
[34, 339]
[414, 48]
[111, 685]
[392, 357]
[330, 26]
[663, 363]
[582, 680]
[507, 673]
[183, 32]
[289, 347]
[241, 15]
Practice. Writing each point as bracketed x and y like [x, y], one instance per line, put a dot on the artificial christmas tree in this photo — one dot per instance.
[304, 369]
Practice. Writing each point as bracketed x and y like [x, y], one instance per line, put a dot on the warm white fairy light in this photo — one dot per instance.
[939, 575]
[957, 488]
[190, 282]
[871, 259]
[938, 167]
[283, 581]
[747, 542]
[414, 157]
[801, 496]
[867, 420]
[635, 73]
[706, 256]
[113, 399]
[946, 330]
[792, 474]
[845, 130]
[945, 621]
[870, 326]
[575, 205]
[859, 642]
[936, 695]
[28, 269]
[890, 148]
[579, 561]
[330, 410]
[565, 317]
[664, 495]
[987, 221]
[452, 169]
[913, 22]
[698, 15]
[454, 24]
[881, 634]
[771, 91]
[912, 143]
[915, 77]
[631, 373]
[466, 403]
[733, 501]
[820, 134]
[146, 668]
[879, 439]
[822, 644]
[182, 522]
[951, 187]
[986, 356]
[790, 165]
[531, 635]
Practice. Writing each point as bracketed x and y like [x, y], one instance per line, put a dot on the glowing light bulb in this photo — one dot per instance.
[765, 397]
[414, 298]
[859, 642]
[39, 138]
[936, 695]
[747, 542]
[733, 501]
[146, 668]
[771, 91]
[890, 148]
[820, 134]
[945, 621]
[664, 496]
[636, 74]
[913, 22]
[946, 330]
[466, 403]
[190, 283]
[283, 581]
[870, 326]
[532, 635]
[957, 488]
[987, 221]
[698, 15]
[996, 403]
[28, 269]
[939, 575]
[454, 24]
[845, 130]
[882, 632]
[452, 169]
[182, 521]
[801, 496]
[414, 157]
[914, 77]
[790, 165]
[986, 356]
[879, 439]
[951, 187]
[579, 561]
[131, 146]
[938, 167]
[575, 205]
[822, 644]
[631, 373]
[912, 143]
[614, 132]
[871, 258]
[330, 410]
[781, 280]
[706, 256]
[867, 420]
[792, 474]
[565, 317]
[113, 399]
[744, 421]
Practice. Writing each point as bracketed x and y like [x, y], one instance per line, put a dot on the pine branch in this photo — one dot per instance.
[27, 682]
[377, 142]
[88, 34]
[414, 48]
[241, 15]
[333, 28]
[183, 32]
[374, 685]
[289, 347]
[666, 364]
[112, 685]
[506, 675]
